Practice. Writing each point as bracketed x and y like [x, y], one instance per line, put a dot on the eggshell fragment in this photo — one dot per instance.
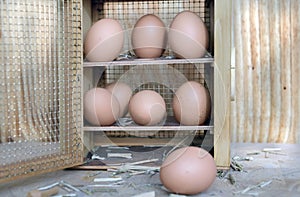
[100, 107]
[149, 37]
[191, 104]
[123, 93]
[188, 35]
[104, 41]
[189, 170]
[147, 107]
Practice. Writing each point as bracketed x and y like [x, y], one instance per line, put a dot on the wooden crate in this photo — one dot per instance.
[43, 79]
[213, 71]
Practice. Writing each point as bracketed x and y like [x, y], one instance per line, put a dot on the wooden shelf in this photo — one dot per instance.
[147, 128]
[158, 61]
[169, 125]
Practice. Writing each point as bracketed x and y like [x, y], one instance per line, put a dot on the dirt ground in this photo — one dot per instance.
[254, 172]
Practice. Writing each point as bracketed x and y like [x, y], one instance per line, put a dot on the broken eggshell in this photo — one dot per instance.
[189, 170]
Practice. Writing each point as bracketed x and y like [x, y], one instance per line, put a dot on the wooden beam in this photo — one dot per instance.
[222, 48]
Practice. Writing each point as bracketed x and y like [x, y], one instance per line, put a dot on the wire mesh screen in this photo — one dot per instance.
[40, 94]
[128, 12]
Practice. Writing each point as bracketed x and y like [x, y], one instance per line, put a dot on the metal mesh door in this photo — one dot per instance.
[40, 86]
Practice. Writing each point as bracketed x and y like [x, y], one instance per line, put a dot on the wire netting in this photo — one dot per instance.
[40, 88]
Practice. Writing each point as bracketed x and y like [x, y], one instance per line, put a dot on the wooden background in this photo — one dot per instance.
[265, 85]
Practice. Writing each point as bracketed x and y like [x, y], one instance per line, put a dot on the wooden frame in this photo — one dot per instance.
[220, 80]
[41, 58]
[222, 42]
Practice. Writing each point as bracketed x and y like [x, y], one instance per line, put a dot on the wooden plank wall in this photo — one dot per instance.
[265, 94]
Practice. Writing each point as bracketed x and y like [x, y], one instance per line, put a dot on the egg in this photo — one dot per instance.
[100, 107]
[123, 93]
[188, 170]
[149, 37]
[147, 107]
[191, 104]
[188, 35]
[104, 41]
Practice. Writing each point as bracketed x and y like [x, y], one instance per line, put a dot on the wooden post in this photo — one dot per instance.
[222, 82]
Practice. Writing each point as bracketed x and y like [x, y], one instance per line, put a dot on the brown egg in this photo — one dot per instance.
[123, 93]
[188, 35]
[147, 107]
[149, 37]
[191, 104]
[189, 170]
[104, 41]
[100, 107]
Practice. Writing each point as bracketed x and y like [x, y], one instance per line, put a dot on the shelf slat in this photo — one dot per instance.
[148, 128]
[158, 61]
[127, 124]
